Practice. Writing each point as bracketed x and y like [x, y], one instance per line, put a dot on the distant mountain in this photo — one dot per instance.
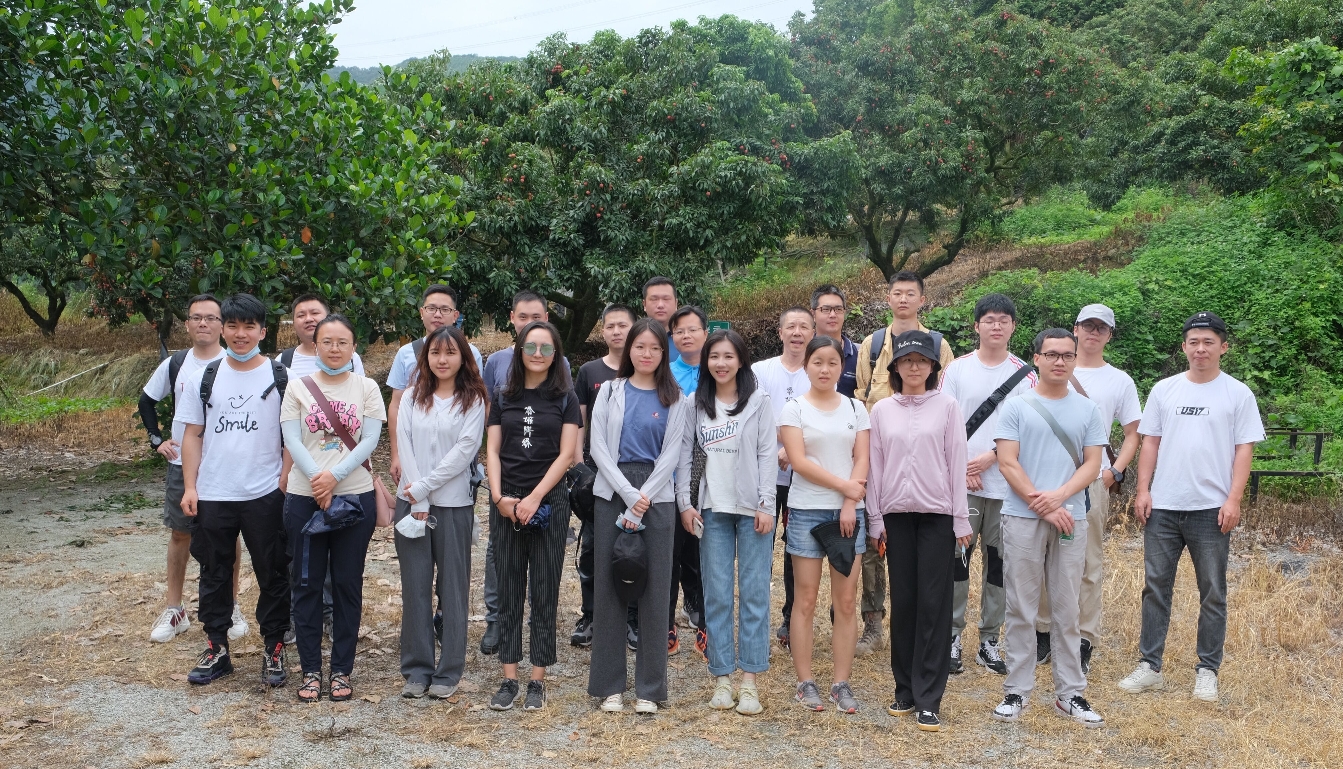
[459, 63]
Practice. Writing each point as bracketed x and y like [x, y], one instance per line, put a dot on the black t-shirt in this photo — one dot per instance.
[591, 376]
[532, 425]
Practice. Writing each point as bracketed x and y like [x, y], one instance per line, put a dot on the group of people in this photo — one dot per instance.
[891, 460]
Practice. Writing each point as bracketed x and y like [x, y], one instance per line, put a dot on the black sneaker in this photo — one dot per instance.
[632, 638]
[536, 695]
[274, 671]
[489, 643]
[990, 657]
[1086, 657]
[1041, 648]
[956, 666]
[929, 722]
[900, 708]
[582, 635]
[214, 663]
[785, 635]
[508, 692]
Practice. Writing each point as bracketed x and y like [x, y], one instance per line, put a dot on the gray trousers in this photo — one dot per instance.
[1090, 599]
[1036, 556]
[447, 549]
[607, 671]
[986, 529]
[1167, 534]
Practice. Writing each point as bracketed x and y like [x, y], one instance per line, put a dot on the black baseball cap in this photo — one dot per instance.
[629, 566]
[1205, 320]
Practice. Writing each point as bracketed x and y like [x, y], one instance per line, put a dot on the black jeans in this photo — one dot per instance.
[340, 553]
[214, 545]
[917, 545]
[686, 576]
[780, 513]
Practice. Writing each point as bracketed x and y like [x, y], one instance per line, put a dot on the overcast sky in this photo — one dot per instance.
[390, 31]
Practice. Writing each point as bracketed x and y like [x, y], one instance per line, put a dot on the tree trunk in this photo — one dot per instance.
[581, 311]
[951, 249]
[56, 301]
[165, 331]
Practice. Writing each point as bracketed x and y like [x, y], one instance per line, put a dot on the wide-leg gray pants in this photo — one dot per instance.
[447, 549]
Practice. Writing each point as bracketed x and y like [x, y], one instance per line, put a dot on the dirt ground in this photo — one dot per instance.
[81, 580]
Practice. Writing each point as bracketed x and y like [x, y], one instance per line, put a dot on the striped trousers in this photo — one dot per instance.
[529, 559]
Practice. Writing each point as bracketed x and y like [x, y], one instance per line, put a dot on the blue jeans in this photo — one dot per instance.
[1166, 536]
[729, 540]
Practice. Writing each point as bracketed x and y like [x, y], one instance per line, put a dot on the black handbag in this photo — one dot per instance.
[579, 481]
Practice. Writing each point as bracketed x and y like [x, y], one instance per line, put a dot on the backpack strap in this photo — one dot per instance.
[874, 352]
[207, 389]
[937, 344]
[996, 397]
[287, 357]
[281, 376]
[416, 345]
[175, 367]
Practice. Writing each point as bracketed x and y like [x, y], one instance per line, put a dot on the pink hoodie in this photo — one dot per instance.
[918, 460]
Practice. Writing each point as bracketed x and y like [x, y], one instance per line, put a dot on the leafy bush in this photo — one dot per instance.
[33, 409]
[1065, 215]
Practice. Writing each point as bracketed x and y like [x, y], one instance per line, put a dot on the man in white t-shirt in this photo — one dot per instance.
[785, 379]
[307, 311]
[170, 378]
[1117, 396]
[971, 379]
[1199, 431]
[231, 460]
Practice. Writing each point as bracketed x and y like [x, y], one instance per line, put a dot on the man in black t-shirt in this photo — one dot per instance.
[616, 322]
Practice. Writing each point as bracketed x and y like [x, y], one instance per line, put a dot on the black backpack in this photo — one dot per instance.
[175, 367]
[278, 370]
[287, 357]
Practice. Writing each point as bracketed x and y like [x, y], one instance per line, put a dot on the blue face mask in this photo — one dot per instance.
[349, 366]
[243, 358]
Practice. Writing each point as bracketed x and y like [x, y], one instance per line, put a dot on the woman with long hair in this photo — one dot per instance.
[734, 425]
[439, 428]
[916, 505]
[319, 413]
[825, 436]
[533, 439]
[639, 442]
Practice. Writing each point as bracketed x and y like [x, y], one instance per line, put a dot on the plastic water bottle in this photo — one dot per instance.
[1066, 539]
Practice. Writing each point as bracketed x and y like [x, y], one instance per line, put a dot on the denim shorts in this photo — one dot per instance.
[801, 543]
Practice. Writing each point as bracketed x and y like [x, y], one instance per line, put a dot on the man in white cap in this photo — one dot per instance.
[1116, 395]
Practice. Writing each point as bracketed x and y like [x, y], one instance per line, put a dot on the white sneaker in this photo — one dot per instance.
[1010, 708]
[172, 623]
[1142, 679]
[613, 704]
[239, 628]
[1078, 709]
[722, 695]
[645, 707]
[1205, 685]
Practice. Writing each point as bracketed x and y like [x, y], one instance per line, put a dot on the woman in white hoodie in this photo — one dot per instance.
[439, 428]
[639, 433]
[734, 424]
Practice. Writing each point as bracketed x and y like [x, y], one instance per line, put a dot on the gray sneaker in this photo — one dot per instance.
[508, 692]
[441, 691]
[842, 695]
[809, 697]
[413, 690]
[536, 696]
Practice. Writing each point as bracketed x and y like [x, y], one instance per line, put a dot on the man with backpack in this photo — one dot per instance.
[307, 311]
[231, 460]
[979, 382]
[905, 297]
[203, 325]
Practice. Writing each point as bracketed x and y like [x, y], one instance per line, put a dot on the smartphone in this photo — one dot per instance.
[698, 528]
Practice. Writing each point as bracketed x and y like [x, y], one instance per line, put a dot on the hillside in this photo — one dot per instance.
[459, 63]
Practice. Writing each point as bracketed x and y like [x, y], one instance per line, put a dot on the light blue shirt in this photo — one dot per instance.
[687, 376]
[403, 366]
[1042, 455]
[497, 368]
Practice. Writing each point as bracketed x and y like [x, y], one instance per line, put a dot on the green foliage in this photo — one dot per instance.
[37, 408]
[1065, 215]
[41, 256]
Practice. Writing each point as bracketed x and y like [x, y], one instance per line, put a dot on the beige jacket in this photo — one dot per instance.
[880, 379]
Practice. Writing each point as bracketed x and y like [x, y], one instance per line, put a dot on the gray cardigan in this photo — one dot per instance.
[608, 419]
[757, 461]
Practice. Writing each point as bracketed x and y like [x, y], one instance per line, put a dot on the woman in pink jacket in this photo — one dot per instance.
[916, 510]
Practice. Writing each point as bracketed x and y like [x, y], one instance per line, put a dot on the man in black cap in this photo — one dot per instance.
[1199, 429]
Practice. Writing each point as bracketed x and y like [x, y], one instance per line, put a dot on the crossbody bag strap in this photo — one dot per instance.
[996, 397]
[1033, 401]
[336, 426]
[1077, 385]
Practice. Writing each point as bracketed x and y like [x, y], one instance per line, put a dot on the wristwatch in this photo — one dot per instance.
[155, 441]
[1118, 475]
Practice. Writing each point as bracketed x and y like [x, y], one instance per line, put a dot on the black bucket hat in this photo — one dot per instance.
[629, 566]
[841, 550]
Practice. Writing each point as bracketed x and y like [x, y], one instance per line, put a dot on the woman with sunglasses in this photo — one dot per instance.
[640, 427]
[532, 440]
[326, 470]
[439, 427]
[916, 506]
[734, 425]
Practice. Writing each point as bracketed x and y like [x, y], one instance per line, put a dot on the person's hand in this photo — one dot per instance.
[964, 542]
[980, 463]
[764, 522]
[189, 503]
[323, 484]
[642, 505]
[169, 449]
[628, 524]
[688, 518]
[783, 459]
[506, 506]
[1042, 502]
[420, 516]
[1060, 519]
[974, 482]
[525, 509]
[284, 483]
[854, 489]
[395, 469]
[1108, 479]
[1142, 507]
[1229, 515]
[406, 490]
[848, 518]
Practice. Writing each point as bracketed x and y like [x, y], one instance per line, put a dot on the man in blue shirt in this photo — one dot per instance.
[528, 306]
[689, 330]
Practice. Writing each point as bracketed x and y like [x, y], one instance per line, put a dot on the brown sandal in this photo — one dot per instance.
[311, 690]
[340, 682]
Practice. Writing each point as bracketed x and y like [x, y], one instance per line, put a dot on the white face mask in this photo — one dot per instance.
[413, 528]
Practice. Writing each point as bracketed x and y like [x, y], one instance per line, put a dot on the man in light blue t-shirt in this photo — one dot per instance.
[1049, 449]
[689, 330]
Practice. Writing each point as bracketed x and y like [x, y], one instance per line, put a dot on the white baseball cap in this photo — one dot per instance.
[1097, 312]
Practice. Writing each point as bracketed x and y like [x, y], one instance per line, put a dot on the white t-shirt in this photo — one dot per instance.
[1042, 455]
[158, 388]
[1200, 426]
[971, 383]
[828, 437]
[721, 440]
[1114, 393]
[240, 458]
[783, 386]
[307, 364]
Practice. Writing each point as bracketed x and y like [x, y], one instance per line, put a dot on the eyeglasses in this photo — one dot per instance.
[335, 344]
[1095, 328]
[433, 309]
[532, 348]
[1055, 357]
[997, 323]
[686, 330]
[919, 362]
[830, 309]
[203, 319]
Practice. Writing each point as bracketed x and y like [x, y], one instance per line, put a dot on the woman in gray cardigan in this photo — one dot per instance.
[734, 424]
[639, 432]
